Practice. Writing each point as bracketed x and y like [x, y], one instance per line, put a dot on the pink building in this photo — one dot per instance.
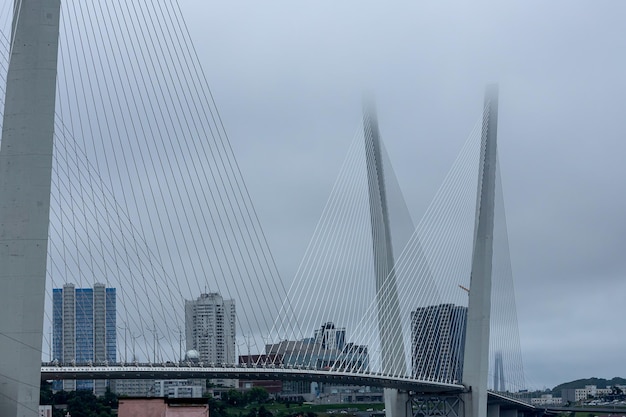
[163, 407]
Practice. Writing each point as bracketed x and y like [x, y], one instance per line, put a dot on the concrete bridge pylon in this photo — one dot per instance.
[476, 355]
[397, 403]
[25, 174]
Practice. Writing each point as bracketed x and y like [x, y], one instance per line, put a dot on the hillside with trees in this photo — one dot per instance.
[581, 383]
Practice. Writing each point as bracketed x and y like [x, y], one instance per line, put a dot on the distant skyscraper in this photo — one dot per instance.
[84, 329]
[438, 342]
[330, 337]
[210, 328]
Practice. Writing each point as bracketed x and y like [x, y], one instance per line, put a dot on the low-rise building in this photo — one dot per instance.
[133, 387]
[178, 388]
[349, 394]
[547, 399]
[574, 395]
[163, 407]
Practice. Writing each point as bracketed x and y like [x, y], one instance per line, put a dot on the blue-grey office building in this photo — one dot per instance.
[83, 330]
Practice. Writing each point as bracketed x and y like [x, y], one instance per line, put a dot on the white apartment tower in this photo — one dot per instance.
[210, 328]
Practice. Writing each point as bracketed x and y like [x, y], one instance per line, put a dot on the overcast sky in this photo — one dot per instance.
[288, 78]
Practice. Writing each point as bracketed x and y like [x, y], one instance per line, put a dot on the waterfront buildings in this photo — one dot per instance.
[438, 342]
[83, 330]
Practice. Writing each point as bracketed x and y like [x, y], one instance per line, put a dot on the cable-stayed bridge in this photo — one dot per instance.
[117, 127]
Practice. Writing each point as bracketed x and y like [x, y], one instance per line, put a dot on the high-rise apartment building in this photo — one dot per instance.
[210, 328]
[83, 330]
[438, 342]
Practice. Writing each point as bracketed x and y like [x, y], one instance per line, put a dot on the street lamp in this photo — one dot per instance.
[134, 338]
[125, 344]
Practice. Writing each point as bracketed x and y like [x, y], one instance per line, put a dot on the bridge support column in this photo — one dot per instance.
[509, 413]
[397, 403]
[437, 405]
[476, 356]
[493, 410]
[25, 171]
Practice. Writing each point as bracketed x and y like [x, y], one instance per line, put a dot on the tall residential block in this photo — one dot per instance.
[210, 328]
[438, 342]
[83, 328]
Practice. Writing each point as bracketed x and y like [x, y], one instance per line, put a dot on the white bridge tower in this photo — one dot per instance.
[25, 174]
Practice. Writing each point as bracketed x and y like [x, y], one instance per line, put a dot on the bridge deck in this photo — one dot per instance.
[167, 371]
[157, 371]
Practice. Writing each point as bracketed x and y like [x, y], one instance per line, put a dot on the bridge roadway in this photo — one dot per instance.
[268, 372]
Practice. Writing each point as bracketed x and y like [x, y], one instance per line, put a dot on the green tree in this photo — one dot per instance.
[46, 397]
[82, 404]
[109, 399]
[264, 412]
[235, 398]
[216, 407]
[257, 395]
[61, 397]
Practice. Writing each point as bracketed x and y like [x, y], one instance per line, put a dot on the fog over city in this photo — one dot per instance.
[289, 78]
